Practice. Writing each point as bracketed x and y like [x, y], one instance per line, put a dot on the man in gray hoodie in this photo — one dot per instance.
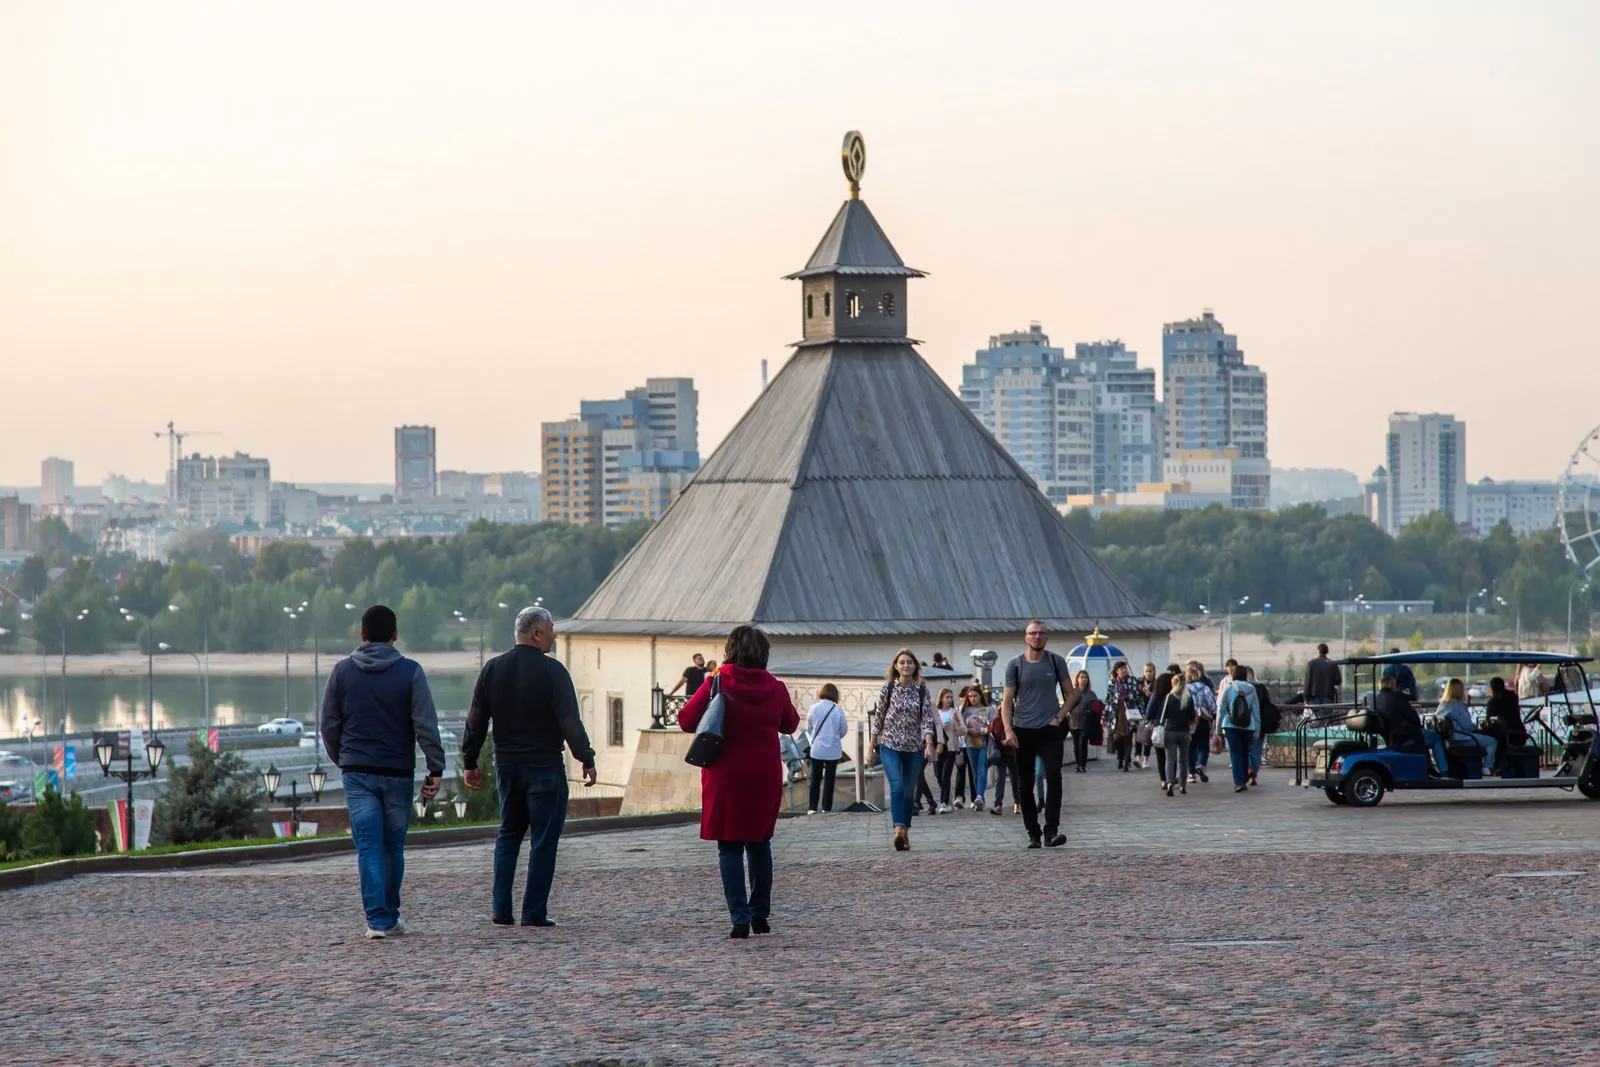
[376, 711]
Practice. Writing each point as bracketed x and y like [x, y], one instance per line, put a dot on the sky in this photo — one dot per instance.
[299, 225]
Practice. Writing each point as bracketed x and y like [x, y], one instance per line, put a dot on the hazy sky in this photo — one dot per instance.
[303, 224]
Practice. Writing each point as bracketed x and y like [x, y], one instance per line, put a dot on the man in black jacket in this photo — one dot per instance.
[1323, 679]
[1399, 723]
[529, 700]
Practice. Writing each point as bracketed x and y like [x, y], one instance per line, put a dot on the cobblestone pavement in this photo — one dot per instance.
[1268, 928]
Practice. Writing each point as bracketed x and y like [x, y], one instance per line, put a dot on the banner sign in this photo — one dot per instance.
[72, 761]
[281, 829]
[214, 739]
[41, 782]
[144, 811]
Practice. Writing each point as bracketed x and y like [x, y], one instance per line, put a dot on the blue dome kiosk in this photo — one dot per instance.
[1098, 656]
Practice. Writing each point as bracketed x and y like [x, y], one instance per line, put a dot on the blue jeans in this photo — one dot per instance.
[901, 773]
[1255, 753]
[1441, 758]
[380, 813]
[532, 798]
[1239, 742]
[730, 861]
[1038, 782]
[1199, 750]
[978, 760]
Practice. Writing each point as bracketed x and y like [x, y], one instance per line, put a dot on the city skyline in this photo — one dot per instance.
[1369, 195]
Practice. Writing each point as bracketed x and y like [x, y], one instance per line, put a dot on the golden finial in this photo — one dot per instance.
[854, 155]
[1097, 638]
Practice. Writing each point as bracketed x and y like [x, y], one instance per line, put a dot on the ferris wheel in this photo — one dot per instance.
[1578, 504]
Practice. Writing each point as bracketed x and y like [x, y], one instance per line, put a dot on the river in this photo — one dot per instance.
[236, 700]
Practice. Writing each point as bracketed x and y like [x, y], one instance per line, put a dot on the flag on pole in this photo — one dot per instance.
[213, 739]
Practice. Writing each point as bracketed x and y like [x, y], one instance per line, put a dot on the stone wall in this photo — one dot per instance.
[659, 780]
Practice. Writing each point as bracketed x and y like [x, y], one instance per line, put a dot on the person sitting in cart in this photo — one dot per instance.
[1453, 710]
[1503, 716]
[1398, 722]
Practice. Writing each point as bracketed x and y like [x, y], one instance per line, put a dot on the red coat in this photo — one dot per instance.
[742, 792]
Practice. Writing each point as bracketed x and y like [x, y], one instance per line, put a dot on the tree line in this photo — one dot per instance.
[1297, 558]
[208, 595]
[1172, 561]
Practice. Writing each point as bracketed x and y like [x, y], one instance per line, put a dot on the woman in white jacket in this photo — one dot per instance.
[826, 725]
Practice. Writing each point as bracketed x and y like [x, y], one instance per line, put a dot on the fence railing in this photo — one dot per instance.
[664, 708]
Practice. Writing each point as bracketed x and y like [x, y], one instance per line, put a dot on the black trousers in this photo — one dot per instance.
[1044, 742]
[1080, 748]
[1123, 747]
[922, 786]
[822, 772]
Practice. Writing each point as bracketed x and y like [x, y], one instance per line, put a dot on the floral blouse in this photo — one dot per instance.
[905, 718]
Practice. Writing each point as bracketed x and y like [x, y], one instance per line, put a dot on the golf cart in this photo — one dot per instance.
[1339, 748]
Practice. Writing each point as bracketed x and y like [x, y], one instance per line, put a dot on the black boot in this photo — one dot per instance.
[739, 932]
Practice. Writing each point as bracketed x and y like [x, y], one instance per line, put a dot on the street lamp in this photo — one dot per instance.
[460, 804]
[1241, 602]
[150, 657]
[1582, 587]
[199, 669]
[205, 659]
[105, 750]
[288, 634]
[272, 778]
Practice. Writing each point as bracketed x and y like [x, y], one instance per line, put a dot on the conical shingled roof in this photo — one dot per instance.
[855, 244]
[859, 496]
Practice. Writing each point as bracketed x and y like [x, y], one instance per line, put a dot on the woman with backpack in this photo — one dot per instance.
[1271, 720]
[1199, 692]
[1083, 716]
[904, 727]
[827, 726]
[1239, 715]
[1123, 706]
[1004, 760]
[976, 715]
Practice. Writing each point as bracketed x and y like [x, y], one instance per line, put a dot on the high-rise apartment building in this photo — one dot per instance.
[1526, 507]
[1211, 399]
[623, 459]
[1083, 424]
[234, 489]
[1426, 469]
[55, 480]
[416, 462]
[16, 526]
[1127, 442]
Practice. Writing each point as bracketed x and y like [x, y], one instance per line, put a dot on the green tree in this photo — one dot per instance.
[215, 798]
[10, 833]
[58, 827]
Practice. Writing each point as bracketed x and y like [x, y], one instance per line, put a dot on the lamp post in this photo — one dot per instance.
[1582, 587]
[105, 751]
[1467, 668]
[272, 778]
[84, 614]
[1241, 602]
[1517, 638]
[44, 667]
[150, 657]
[204, 659]
[199, 669]
[290, 615]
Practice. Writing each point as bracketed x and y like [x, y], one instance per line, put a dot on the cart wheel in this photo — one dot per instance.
[1589, 788]
[1364, 789]
[1334, 794]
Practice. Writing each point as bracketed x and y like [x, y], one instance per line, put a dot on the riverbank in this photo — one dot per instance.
[133, 664]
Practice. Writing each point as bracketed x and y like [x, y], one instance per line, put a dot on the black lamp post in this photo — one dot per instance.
[105, 751]
[272, 778]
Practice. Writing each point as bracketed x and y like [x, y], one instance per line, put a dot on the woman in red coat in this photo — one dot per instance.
[742, 791]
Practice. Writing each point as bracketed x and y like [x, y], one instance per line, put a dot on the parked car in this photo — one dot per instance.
[15, 793]
[286, 727]
[13, 763]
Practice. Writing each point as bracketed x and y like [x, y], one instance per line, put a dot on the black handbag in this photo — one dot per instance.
[706, 748]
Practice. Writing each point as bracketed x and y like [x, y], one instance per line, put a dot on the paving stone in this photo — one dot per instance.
[1267, 928]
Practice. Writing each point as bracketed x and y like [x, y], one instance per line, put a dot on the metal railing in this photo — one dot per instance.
[664, 709]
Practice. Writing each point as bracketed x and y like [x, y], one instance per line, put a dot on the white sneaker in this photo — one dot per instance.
[399, 926]
[376, 935]
[977, 805]
[944, 809]
[813, 811]
[959, 804]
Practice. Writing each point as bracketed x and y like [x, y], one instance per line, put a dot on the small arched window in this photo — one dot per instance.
[808, 305]
[852, 304]
[886, 305]
[827, 304]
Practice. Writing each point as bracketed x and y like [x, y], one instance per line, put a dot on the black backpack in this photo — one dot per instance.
[1271, 716]
[1239, 711]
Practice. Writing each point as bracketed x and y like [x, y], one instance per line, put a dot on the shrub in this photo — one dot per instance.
[10, 833]
[58, 828]
[484, 804]
[218, 796]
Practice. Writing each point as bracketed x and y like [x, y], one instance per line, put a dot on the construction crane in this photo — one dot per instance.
[175, 439]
